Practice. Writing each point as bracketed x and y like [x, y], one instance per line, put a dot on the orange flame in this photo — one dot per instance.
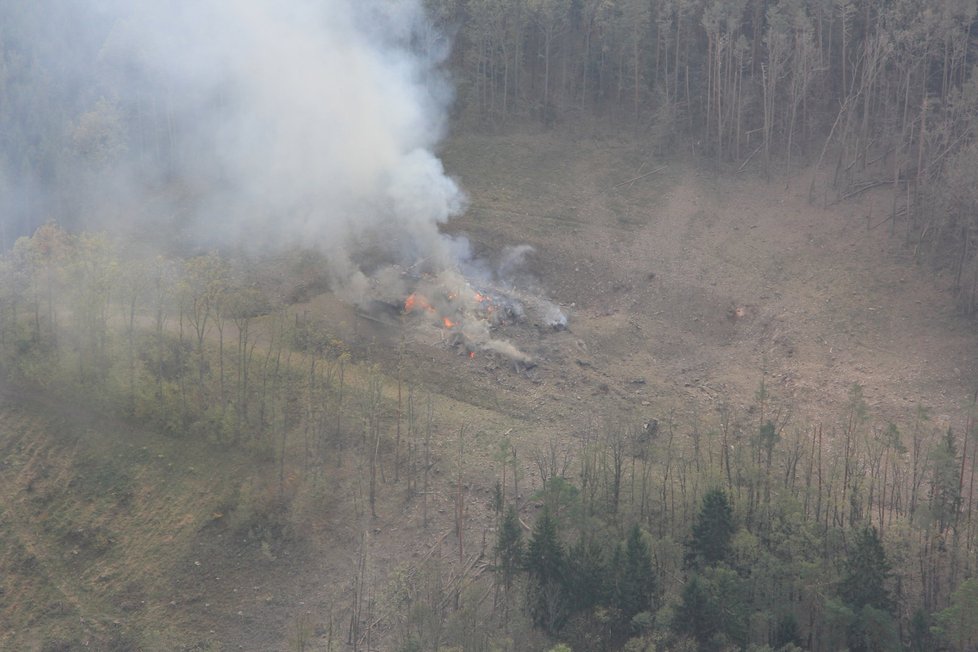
[448, 322]
[471, 355]
[415, 300]
[484, 301]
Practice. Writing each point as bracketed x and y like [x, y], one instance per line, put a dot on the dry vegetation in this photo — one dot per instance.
[685, 293]
[757, 216]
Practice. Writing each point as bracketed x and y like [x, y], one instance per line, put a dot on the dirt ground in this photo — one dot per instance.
[686, 289]
[701, 286]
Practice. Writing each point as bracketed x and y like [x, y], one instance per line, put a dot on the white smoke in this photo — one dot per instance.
[511, 261]
[303, 122]
[264, 124]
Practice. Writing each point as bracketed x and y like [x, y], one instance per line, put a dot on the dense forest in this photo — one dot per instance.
[751, 532]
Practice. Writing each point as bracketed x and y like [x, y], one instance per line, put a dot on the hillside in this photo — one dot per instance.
[707, 303]
[706, 284]
[440, 325]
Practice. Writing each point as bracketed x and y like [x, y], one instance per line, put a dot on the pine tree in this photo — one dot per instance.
[866, 573]
[636, 583]
[864, 590]
[957, 623]
[713, 531]
[587, 572]
[920, 634]
[509, 548]
[945, 491]
[547, 570]
[786, 631]
[697, 615]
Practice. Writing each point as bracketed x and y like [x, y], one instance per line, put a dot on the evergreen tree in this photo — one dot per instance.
[636, 584]
[546, 567]
[713, 531]
[958, 623]
[864, 590]
[920, 634]
[698, 614]
[945, 489]
[786, 631]
[587, 572]
[866, 573]
[874, 630]
[509, 548]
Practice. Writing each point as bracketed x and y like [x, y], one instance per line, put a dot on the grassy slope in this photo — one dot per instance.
[97, 518]
[117, 536]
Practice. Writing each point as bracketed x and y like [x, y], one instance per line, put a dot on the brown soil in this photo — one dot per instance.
[702, 286]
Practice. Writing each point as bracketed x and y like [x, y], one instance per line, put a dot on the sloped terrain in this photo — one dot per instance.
[685, 291]
[704, 285]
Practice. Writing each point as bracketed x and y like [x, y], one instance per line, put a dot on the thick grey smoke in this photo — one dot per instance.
[253, 122]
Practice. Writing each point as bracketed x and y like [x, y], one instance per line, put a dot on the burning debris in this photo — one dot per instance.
[467, 312]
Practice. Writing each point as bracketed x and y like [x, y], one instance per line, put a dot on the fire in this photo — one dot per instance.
[471, 355]
[484, 302]
[415, 300]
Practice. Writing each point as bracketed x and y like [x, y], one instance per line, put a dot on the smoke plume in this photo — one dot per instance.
[262, 124]
[234, 122]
